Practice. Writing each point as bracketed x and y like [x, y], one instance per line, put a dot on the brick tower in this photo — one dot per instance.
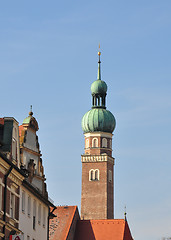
[97, 197]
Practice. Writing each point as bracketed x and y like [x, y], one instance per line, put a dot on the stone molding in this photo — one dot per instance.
[97, 158]
[4, 166]
[98, 134]
[16, 177]
[30, 151]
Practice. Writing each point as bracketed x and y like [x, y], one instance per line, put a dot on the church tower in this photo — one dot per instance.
[97, 197]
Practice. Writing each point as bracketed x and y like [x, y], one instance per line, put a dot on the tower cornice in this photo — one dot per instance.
[97, 158]
[98, 134]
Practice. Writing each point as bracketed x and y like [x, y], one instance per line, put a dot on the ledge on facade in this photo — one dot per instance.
[1, 213]
[11, 164]
[13, 221]
[38, 193]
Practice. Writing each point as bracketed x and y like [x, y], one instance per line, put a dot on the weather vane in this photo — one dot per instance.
[99, 53]
[125, 212]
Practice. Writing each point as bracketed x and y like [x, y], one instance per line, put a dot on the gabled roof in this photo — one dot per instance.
[66, 225]
[63, 225]
[108, 229]
[2, 121]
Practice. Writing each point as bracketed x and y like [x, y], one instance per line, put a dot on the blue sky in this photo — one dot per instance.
[48, 58]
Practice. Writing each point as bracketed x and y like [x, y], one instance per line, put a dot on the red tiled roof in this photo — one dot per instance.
[2, 121]
[60, 225]
[117, 229]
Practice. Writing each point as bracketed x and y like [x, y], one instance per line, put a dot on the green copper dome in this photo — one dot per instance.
[31, 121]
[98, 120]
[98, 87]
[27, 120]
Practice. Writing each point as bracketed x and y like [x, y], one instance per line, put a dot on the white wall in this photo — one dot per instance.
[31, 140]
[26, 222]
[26, 159]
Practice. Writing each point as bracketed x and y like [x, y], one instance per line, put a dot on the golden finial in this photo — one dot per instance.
[99, 53]
[30, 113]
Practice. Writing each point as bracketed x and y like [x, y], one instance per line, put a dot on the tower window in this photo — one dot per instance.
[87, 143]
[110, 143]
[94, 175]
[95, 142]
[110, 176]
[91, 175]
[104, 143]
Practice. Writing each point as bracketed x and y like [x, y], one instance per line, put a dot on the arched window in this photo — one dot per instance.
[110, 143]
[96, 174]
[87, 143]
[95, 142]
[104, 143]
[91, 175]
[110, 176]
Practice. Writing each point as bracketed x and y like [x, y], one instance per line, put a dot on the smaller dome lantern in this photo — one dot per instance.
[98, 119]
[98, 87]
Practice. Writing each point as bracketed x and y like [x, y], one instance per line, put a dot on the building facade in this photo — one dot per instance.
[24, 202]
[34, 207]
[11, 177]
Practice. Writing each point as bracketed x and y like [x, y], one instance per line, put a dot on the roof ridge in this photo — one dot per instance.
[71, 220]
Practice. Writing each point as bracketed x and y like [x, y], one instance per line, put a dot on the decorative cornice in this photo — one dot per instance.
[13, 221]
[97, 158]
[98, 134]
[10, 227]
[3, 166]
[31, 151]
[37, 193]
[101, 148]
[16, 177]
[11, 190]
[1, 214]
[1, 234]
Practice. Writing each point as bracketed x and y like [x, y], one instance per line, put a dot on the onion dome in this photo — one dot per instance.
[98, 119]
[31, 121]
[98, 87]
